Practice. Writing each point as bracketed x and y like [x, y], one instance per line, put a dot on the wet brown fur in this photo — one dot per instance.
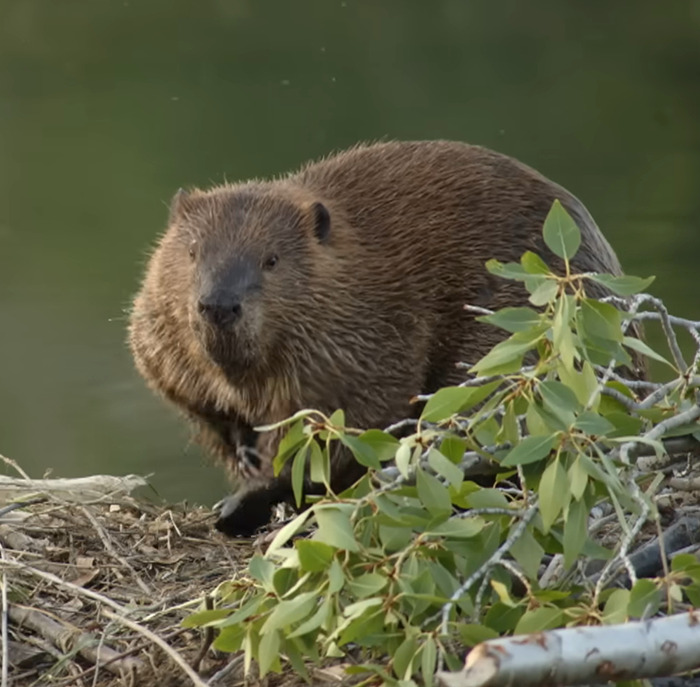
[362, 320]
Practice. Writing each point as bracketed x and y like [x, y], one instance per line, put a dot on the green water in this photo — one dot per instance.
[106, 108]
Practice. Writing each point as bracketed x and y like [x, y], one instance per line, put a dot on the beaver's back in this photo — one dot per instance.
[422, 219]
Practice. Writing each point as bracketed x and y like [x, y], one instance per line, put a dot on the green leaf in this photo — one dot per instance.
[528, 552]
[290, 611]
[334, 527]
[428, 658]
[645, 600]
[298, 473]
[445, 403]
[513, 319]
[319, 464]
[578, 479]
[472, 634]
[625, 425]
[545, 293]
[592, 423]
[458, 528]
[314, 556]
[534, 264]
[615, 611]
[507, 355]
[575, 531]
[622, 286]
[562, 337]
[203, 618]
[403, 457]
[394, 538]
[368, 584]
[529, 450]
[600, 320]
[433, 495]
[383, 444]
[288, 531]
[314, 622]
[539, 620]
[537, 423]
[262, 570]
[641, 347]
[230, 639]
[296, 651]
[510, 429]
[509, 270]
[502, 618]
[336, 577]
[289, 444]
[685, 562]
[560, 232]
[403, 658]
[445, 468]
[337, 419]
[453, 447]
[485, 498]
[355, 610]
[269, 652]
[583, 383]
[364, 454]
[554, 493]
[249, 608]
[558, 397]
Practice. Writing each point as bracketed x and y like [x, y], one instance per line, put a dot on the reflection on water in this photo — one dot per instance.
[106, 108]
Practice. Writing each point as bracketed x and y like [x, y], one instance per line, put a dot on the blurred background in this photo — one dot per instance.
[108, 106]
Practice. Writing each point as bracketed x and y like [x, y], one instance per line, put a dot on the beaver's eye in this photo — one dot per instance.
[270, 261]
[192, 250]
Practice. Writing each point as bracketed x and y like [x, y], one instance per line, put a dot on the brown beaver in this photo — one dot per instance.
[339, 286]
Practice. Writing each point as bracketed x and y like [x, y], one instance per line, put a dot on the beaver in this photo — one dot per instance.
[341, 285]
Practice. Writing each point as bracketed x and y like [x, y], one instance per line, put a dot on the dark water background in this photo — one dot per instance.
[107, 107]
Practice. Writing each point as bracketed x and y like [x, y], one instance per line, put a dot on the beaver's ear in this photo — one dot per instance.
[182, 203]
[322, 221]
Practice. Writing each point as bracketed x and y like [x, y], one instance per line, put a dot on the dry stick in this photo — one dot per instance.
[50, 577]
[14, 466]
[83, 643]
[112, 552]
[232, 665]
[208, 636]
[119, 616]
[92, 669]
[196, 680]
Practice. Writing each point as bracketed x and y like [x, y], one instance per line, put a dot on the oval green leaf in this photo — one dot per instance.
[530, 450]
[560, 232]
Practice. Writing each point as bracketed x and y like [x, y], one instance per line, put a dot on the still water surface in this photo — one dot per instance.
[107, 107]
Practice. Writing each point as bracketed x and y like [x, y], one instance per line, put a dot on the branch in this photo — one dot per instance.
[663, 646]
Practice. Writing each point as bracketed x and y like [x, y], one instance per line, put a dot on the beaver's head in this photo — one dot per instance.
[252, 256]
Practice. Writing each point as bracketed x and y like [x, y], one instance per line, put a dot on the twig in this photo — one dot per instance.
[670, 423]
[49, 577]
[155, 639]
[667, 326]
[232, 665]
[208, 639]
[626, 401]
[517, 532]
[69, 638]
[21, 504]
[14, 466]
[112, 552]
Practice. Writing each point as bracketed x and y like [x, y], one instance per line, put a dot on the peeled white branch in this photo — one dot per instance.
[583, 655]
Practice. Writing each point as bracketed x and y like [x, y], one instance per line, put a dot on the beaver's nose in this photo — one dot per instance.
[220, 310]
